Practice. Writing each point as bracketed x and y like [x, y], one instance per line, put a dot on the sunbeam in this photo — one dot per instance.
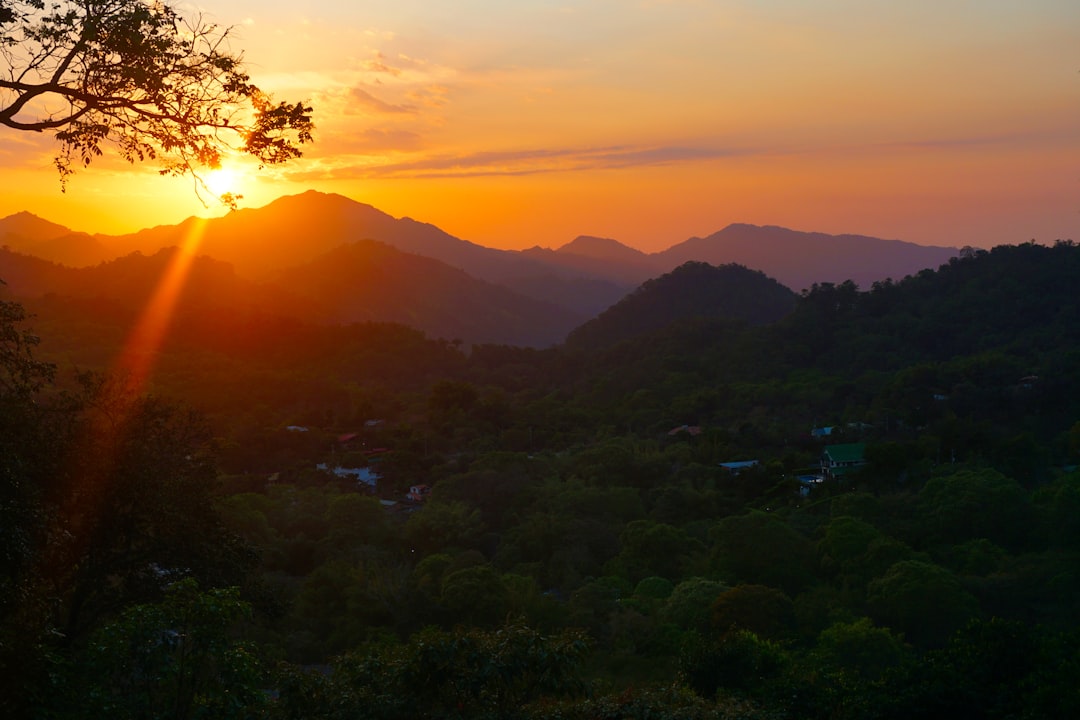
[135, 361]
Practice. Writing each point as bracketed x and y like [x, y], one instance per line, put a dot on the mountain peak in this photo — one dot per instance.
[31, 227]
[601, 248]
[800, 259]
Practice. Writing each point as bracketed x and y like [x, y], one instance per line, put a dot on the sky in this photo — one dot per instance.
[514, 123]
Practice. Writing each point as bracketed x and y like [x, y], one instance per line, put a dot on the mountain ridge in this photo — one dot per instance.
[583, 277]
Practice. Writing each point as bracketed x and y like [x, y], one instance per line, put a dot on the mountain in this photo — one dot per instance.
[800, 259]
[622, 266]
[369, 280]
[131, 280]
[692, 290]
[28, 227]
[27, 233]
[359, 282]
[603, 249]
[297, 229]
[581, 279]
[584, 276]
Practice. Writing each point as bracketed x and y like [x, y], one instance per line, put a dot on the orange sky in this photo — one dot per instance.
[526, 123]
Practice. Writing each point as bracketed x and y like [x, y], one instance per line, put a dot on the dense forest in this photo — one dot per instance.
[358, 521]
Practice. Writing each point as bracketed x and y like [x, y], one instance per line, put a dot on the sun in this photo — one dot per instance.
[222, 180]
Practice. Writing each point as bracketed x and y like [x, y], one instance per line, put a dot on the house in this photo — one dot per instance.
[362, 476]
[688, 429]
[419, 493]
[808, 483]
[821, 432]
[736, 467]
[839, 460]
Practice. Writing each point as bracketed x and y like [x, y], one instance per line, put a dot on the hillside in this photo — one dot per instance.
[27, 233]
[660, 504]
[800, 259]
[693, 290]
[362, 282]
[602, 257]
[368, 280]
[583, 277]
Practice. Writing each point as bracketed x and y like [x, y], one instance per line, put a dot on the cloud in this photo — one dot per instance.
[530, 162]
[361, 98]
[954, 142]
[517, 162]
[373, 140]
[380, 66]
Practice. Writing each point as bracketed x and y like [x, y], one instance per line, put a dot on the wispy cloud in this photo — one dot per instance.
[516, 162]
[1049, 133]
[362, 99]
[376, 141]
[528, 162]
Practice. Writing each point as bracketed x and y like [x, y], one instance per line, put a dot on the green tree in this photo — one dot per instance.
[441, 525]
[142, 78]
[689, 606]
[464, 673]
[655, 549]
[922, 600]
[762, 549]
[178, 658]
[764, 611]
[861, 648]
[739, 661]
[975, 504]
[476, 595]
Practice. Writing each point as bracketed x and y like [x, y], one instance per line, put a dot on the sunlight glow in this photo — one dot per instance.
[138, 356]
[223, 180]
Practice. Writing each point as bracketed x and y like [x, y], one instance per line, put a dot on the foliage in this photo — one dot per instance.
[923, 601]
[438, 674]
[693, 290]
[140, 77]
[177, 658]
[739, 661]
[940, 581]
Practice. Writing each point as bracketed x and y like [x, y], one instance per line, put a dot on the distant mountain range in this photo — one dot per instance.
[294, 255]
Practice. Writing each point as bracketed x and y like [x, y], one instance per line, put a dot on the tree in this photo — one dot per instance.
[142, 78]
[177, 658]
[923, 601]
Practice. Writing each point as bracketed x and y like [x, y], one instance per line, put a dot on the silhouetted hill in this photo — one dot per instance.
[27, 233]
[130, 280]
[583, 277]
[1016, 299]
[359, 282]
[369, 280]
[296, 229]
[693, 290]
[604, 249]
[622, 266]
[28, 227]
[800, 259]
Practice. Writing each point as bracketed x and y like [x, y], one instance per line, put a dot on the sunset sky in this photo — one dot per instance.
[515, 123]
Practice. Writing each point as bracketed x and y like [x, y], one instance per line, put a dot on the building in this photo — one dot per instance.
[419, 493]
[738, 466]
[839, 460]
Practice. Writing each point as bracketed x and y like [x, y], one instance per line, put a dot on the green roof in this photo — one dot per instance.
[847, 453]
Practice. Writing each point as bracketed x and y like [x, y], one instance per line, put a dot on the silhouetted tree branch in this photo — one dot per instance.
[138, 76]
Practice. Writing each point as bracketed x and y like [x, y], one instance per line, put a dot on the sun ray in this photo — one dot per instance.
[137, 357]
